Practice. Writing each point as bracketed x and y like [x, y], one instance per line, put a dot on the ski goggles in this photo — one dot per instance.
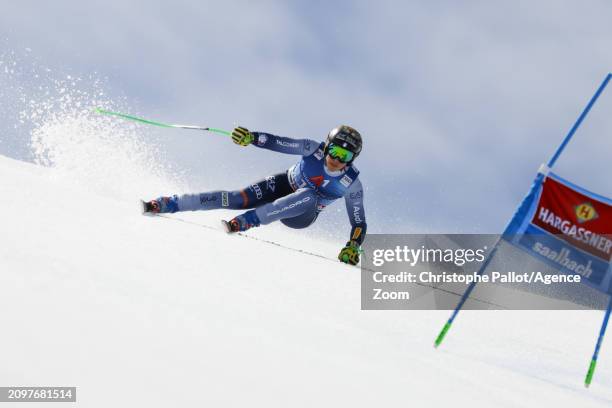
[340, 153]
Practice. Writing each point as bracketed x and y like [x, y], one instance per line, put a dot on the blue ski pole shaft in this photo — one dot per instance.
[583, 115]
[602, 331]
[465, 296]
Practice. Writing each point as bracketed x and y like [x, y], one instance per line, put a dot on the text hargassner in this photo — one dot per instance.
[413, 256]
[494, 277]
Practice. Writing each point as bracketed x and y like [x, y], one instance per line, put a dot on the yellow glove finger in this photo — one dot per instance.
[242, 136]
[237, 135]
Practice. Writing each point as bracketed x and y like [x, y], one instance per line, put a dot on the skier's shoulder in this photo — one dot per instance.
[314, 148]
[350, 180]
[354, 172]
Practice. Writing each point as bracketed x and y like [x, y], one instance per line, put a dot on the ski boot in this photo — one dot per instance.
[241, 223]
[160, 205]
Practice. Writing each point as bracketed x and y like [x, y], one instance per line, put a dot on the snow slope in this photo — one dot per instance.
[148, 311]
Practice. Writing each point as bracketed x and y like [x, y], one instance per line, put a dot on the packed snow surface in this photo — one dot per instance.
[152, 311]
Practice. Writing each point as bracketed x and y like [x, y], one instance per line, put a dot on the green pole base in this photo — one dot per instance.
[589, 376]
[442, 334]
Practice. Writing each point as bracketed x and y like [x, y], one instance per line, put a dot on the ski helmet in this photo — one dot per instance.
[346, 137]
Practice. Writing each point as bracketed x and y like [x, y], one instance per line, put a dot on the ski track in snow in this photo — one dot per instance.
[138, 311]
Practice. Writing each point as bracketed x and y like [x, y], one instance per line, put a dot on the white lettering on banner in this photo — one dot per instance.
[568, 228]
[562, 258]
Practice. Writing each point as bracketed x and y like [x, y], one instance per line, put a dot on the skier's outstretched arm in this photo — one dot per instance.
[302, 147]
[354, 207]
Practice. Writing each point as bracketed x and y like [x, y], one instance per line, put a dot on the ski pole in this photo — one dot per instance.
[160, 124]
[602, 331]
[464, 297]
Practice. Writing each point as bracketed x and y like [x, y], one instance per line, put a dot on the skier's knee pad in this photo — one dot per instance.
[308, 201]
[310, 211]
[301, 221]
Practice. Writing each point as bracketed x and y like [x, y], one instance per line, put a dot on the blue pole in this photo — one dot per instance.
[465, 296]
[602, 331]
[526, 203]
[583, 115]
[551, 163]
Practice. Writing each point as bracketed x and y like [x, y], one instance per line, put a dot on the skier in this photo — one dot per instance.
[295, 197]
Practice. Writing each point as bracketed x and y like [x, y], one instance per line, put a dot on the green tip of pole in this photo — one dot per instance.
[221, 131]
[133, 118]
[442, 334]
[589, 376]
[345, 258]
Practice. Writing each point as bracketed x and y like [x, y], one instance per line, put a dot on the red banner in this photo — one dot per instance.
[580, 220]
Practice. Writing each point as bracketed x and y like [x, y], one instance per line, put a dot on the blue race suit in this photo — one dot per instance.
[295, 197]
